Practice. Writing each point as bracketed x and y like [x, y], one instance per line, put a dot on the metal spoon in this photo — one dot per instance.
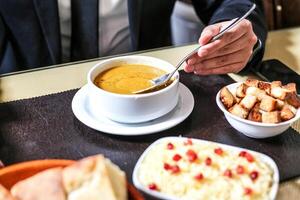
[166, 77]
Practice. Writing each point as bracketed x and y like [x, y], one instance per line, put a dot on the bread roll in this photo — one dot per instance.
[94, 178]
[46, 185]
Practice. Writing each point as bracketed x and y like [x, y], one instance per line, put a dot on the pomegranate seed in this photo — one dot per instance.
[170, 146]
[254, 175]
[192, 156]
[228, 173]
[248, 191]
[188, 142]
[242, 154]
[208, 161]
[199, 177]
[219, 151]
[167, 166]
[240, 169]
[177, 157]
[249, 157]
[175, 169]
[246, 155]
[152, 186]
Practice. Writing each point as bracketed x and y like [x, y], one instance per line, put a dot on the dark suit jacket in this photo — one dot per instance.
[30, 34]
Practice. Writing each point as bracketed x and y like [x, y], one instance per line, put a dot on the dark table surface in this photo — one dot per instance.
[45, 127]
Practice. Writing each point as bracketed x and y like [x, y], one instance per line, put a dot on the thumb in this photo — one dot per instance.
[208, 33]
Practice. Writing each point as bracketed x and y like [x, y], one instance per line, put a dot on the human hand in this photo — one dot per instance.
[228, 54]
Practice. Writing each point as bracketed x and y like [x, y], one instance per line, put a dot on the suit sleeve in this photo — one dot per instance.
[217, 11]
[2, 40]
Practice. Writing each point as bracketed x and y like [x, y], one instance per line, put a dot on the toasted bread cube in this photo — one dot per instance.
[279, 93]
[238, 99]
[241, 90]
[252, 82]
[268, 104]
[227, 97]
[286, 113]
[292, 108]
[293, 99]
[275, 84]
[254, 114]
[260, 94]
[248, 102]
[279, 104]
[239, 111]
[265, 86]
[290, 87]
[271, 117]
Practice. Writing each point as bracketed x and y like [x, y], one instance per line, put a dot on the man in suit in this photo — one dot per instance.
[30, 34]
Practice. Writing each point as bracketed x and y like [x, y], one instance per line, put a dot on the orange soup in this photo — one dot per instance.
[127, 78]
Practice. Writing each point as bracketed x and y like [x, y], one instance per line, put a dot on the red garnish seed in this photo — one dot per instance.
[192, 156]
[242, 154]
[177, 157]
[208, 161]
[254, 175]
[188, 142]
[170, 146]
[152, 186]
[240, 169]
[175, 169]
[249, 157]
[199, 176]
[167, 166]
[248, 191]
[219, 151]
[228, 173]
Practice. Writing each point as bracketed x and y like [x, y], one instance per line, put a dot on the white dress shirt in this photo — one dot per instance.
[114, 36]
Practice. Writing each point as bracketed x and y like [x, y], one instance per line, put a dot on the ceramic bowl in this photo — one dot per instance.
[250, 128]
[196, 142]
[14, 173]
[134, 108]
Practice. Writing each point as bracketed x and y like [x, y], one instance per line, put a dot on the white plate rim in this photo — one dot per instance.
[126, 130]
[264, 157]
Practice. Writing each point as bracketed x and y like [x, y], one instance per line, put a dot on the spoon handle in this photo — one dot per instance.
[220, 34]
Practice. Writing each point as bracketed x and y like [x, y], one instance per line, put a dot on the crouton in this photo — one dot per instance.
[248, 102]
[271, 117]
[292, 108]
[290, 87]
[238, 99]
[265, 86]
[275, 84]
[268, 104]
[239, 111]
[279, 93]
[279, 104]
[241, 90]
[254, 114]
[286, 113]
[260, 94]
[293, 99]
[252, 82]
[227, 98]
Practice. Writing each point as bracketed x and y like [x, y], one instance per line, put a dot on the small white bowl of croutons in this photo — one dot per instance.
[259, 109]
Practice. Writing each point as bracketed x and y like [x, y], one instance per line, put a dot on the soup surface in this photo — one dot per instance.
[128, 78]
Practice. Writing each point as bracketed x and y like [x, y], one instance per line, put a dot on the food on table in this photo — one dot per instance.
[261, 101]
[5, 194]
[128, 78]
[93, 177]
[191, 169]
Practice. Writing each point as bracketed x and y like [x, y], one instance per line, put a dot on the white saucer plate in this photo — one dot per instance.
[81, 109]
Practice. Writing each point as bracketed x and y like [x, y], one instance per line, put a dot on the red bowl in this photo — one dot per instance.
[12, 174]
